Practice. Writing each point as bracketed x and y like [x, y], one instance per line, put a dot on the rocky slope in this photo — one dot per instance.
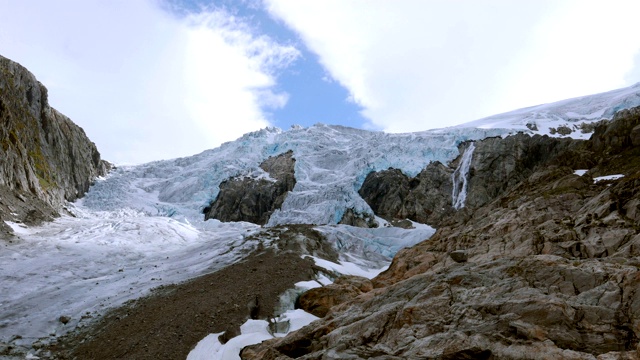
[542, 263]
[46, 158]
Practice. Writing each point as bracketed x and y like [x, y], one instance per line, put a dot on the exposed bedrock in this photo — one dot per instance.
[254, 200]
[425, 198]
[496, 165]
[45, 156]
[550, 271]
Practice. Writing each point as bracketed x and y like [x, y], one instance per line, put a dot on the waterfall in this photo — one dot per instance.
[459, 178]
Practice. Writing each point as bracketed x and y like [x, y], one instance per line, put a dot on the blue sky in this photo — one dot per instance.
[313, 96]
[158, 79]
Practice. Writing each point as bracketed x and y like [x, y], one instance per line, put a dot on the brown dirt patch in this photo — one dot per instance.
[170, 322]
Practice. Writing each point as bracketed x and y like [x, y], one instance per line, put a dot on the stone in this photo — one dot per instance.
[459, 256]
[353, 218]
[425, 198]
[254, 200]
[319, 301]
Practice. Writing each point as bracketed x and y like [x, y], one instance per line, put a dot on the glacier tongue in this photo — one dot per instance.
[331, 164]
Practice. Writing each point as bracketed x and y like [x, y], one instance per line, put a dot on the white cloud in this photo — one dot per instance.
[143, 84]
[416, 64]
[581, 48]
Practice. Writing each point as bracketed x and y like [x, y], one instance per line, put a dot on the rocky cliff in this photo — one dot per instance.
[255, 199]
[46, 159]
[496, 164]
[541, 263]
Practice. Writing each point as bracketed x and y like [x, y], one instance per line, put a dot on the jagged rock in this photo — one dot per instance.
[553, 272]
[254, 200]
[496, 165]
[425, 198]
[354, 218]
[43, 153]
[499, 164]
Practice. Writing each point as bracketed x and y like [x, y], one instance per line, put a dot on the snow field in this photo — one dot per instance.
[78, 267]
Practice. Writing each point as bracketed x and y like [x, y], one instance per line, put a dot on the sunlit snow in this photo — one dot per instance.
[608, 177]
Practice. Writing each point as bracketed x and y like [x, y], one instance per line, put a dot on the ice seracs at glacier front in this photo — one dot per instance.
[142, 226]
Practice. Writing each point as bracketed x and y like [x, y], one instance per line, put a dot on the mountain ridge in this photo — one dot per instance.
[47, 160]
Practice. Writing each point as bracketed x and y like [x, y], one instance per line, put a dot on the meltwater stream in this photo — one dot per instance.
[459, 178]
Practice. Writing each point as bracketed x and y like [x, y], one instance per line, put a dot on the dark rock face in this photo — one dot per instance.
[425, 198]
[499, 164]
[43, 153]
[254, 200]
[551, 268]
[496, 165]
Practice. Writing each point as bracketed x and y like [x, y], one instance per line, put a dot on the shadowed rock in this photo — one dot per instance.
[45, 156]
[254, 200]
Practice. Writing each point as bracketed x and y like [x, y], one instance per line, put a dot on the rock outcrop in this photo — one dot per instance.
[46, 158]
[254, 200]
[496, 165]
[319, 301]
[550, 267]
[425, 198]
[354, 218]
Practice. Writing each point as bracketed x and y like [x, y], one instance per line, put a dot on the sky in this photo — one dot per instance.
[159, 79]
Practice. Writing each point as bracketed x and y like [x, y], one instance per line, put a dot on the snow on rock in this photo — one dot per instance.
[546, 119]
[348, 268]
[608, 177]
[251, 332]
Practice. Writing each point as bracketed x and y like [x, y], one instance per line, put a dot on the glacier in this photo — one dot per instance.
[142, 226]
[331, 165]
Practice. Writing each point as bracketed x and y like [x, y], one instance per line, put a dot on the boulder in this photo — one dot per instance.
[319, 301]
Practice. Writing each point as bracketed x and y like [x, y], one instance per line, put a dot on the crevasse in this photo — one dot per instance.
[459, 178]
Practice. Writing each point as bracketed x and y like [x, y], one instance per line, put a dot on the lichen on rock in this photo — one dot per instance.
[44, 154]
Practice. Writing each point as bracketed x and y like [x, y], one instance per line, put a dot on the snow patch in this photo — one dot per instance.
[252, 332]
[608, 177]
[18, 228]
[347, 268]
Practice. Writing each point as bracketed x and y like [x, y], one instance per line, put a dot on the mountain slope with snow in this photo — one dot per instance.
[142, 226]
[331, 161]
[570, 113]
